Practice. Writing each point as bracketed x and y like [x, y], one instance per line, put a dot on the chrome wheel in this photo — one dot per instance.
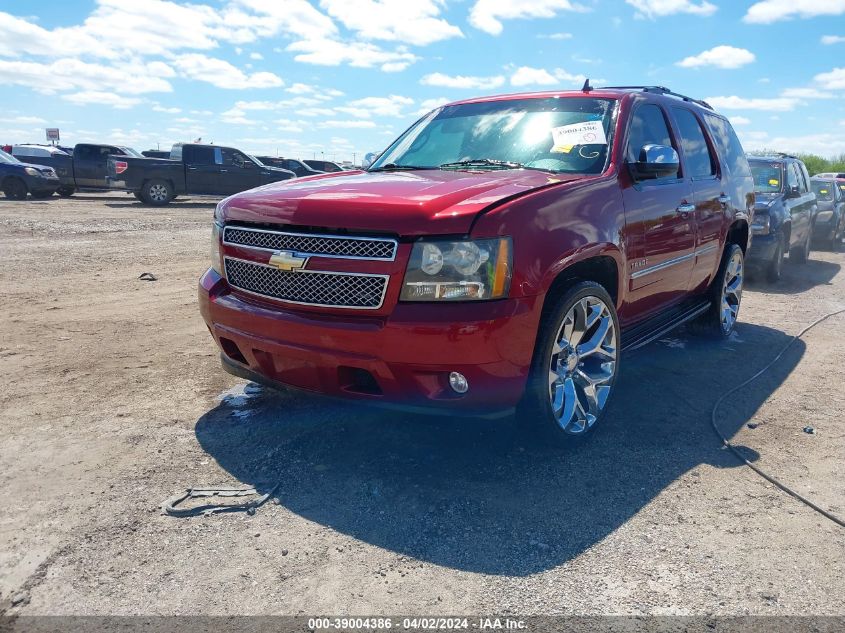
[157, 193]
[731, 291]
[583, 365]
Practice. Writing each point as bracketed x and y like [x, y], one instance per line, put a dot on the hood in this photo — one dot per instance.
[425, 202]
[43, 169]
[765, 200]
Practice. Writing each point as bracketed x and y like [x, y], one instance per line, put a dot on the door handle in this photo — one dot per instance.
[224, 171]
[685, 207]
[724, 200]
[193, 168]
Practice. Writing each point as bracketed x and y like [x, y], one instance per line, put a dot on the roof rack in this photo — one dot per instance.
[662, 90]
[785, 155]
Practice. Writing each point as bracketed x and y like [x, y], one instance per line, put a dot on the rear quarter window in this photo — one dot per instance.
[728, 145]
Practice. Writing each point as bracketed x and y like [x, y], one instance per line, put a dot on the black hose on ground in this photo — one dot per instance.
[737, 452]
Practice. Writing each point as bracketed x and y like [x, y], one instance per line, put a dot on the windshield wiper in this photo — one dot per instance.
[395, 167]
[483, 162]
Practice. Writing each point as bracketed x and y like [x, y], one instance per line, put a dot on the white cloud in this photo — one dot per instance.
[328, 52]
[555, 36]
[287, 125]
[74, 74]
[832, 39]
[740, 120]
[777, 104]
[461, 81]
[392, 105]
[659, 8]
[23, 120]
[719, 56]
[769, 11]
[487, 15]
[430, 104]
[101, 98]
[347, 124]
[256, 56]
[806, 93]
[833, 80]
[222, 74]
[160, 108]
[823, 144]
[415, 22]
[527, 76]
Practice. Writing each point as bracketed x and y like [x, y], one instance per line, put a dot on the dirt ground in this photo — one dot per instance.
[113, 400]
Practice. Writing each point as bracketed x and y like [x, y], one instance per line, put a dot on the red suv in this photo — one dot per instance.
[502, 252]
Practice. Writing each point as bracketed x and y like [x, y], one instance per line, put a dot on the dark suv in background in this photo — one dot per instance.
[830, 220]
[784, 212]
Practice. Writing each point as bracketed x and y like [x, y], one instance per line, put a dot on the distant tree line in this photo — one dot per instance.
[815, 164]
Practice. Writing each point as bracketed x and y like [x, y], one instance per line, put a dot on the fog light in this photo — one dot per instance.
[458, 382]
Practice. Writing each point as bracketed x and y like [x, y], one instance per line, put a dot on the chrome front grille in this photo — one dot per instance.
[330, 289]
[312, 244]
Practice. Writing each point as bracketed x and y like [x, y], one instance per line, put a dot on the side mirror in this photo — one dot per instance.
[655, 161]
[792, 192]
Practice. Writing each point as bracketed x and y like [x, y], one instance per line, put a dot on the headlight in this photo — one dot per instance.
[216, 254]
[32, 171]
[467, 270]
[761, 224]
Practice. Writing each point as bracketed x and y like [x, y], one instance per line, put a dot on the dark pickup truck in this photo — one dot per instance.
[84, 169]
[191, 169]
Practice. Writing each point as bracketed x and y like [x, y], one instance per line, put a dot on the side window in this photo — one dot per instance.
[85, 152]
[792, 177]
[201, 155]
[648, 127]
[729, 145]
[805, 176]
[218, 156]
[699, 162]
[232, 157]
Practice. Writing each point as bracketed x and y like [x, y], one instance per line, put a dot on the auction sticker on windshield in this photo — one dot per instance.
[587, 133]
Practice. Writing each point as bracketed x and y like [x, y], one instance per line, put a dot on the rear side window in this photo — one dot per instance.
[648, 127]
[792, 177]
[699, 161]
[201, 156]
[176, 152]
[728, 145]
[87, 152]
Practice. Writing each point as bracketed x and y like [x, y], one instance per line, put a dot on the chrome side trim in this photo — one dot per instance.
[300, 271]
[662, 266]
[390, 240]
[706, 249]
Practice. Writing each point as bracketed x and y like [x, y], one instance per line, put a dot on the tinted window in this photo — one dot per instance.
[803, 177]
[792, 177]
[728, 145]
[176, 152]
[202, 155]
[648, 127]
[768, 177]
[699, 162]
[87, 152]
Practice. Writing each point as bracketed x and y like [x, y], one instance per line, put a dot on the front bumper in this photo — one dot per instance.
[762, 249]
[38, 184]
[403, 359]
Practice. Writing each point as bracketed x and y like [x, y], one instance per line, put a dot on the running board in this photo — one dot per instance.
[644, 333]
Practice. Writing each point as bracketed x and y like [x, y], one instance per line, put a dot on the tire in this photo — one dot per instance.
[725, 296]
[801, 253]
[15, 189]
[138, 195]
[568, 390]
[66, 191]
[42, 195]
[775, 267]
[157, 192]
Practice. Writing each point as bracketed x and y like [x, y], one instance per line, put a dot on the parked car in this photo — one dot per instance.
[501, 253]
[785, 210]
[829, 226]
[836, 174]
[192, 168]
[156, 153]
[298, 167]
[323, 165]
[84, 169]
[18, 179]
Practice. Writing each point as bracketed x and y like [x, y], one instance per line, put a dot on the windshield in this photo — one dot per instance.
[132, 152]
[8, 158]
[823, 190]
[568, 135]
[768, 177]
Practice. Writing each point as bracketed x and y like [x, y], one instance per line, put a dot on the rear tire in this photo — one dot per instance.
[574, 367]
[66, 192]
[157, 192]
[138, 195]
[15, 189]
[774, 268]
[725, 296]
[801, 253]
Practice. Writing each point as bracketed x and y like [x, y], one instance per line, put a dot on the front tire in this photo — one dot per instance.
[66, 192]
[775, 266]
[15, 189]
[157, 192]
[725, 295]
[575, 365]
[801, 253]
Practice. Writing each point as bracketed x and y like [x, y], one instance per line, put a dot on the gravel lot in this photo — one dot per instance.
[113, 400]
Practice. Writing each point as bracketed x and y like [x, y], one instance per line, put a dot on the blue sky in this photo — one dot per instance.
[337, 77]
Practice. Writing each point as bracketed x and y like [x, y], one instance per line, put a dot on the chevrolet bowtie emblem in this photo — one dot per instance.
[288, 261]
